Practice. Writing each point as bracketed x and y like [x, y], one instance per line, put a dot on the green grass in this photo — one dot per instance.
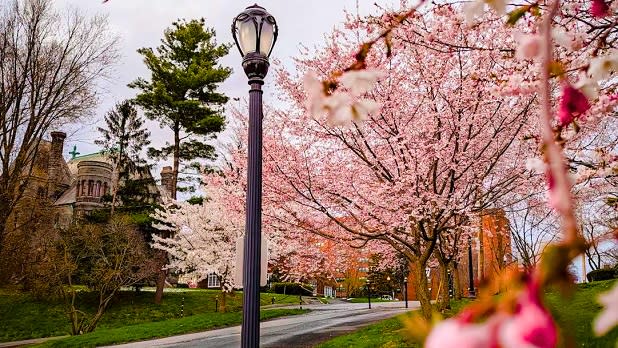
[23, 317]
[195, 323]
[574, 315]
[384, 334]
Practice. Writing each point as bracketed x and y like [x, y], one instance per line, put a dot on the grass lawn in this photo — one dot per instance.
[166, 328]
[23, 317]
[574, 315]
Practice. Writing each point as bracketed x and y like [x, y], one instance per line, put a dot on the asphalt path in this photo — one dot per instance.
[322, 323]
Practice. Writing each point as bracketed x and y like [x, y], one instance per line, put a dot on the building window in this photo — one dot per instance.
[83, 187]
[105, 189]
[41, 192]
[90, 187]
[79, 186]
[98, 189]
[328, 292]
[213, 281]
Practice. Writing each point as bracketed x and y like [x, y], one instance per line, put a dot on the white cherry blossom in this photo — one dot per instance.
[360, 81]
[608, 318]
[601, 67]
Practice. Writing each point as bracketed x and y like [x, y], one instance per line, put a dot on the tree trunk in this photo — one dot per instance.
[160, 285]
[422, 288]
[163, 255]
[223, 301]
[443, 300]
[457, 289]
[6, 207]
[115, 191]
[176, 159]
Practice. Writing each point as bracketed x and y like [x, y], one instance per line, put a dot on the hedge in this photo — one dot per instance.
[602, 274]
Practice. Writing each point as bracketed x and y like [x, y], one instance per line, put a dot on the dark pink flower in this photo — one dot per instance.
[458, 332]
[572, 105]
[599, 9]
[531, 325]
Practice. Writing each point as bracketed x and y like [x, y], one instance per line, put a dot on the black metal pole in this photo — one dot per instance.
[470, 270]
[405, 291]
[250, 335]
[369, 295]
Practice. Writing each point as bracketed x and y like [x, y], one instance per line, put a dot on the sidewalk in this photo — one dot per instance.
[27, 342]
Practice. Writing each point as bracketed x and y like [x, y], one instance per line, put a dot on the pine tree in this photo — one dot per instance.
[181, 94]
[123, 140]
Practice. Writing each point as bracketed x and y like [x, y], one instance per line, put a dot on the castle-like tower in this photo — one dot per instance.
[93, 182]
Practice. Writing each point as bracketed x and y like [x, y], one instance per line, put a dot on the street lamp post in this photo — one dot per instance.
[405, 290]
[470, 269]
[255, 32]
[369, 292]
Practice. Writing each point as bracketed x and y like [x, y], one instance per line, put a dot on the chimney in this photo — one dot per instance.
[55, 163]
[167, 175]
[57, 144]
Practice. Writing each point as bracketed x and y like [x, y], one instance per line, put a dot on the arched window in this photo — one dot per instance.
[213, 281]
[79, 187]
[98, 189]
[83, 187]
[90, 187]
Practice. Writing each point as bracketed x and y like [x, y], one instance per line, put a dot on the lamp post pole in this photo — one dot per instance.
[369, 293]
[405, 290]
[253, 236]
[470, 269]
[255, 32]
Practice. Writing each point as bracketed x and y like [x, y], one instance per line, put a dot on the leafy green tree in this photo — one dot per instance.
[123, 140]
[182, 91]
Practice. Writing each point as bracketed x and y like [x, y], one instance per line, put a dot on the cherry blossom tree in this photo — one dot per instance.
[203, 238]
[431, 155]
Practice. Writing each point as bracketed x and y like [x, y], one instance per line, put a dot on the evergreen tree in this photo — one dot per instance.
[123, 140]
[181, 94]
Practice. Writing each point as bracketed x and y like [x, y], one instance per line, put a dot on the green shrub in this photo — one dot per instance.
[292, 289]
[602, 274]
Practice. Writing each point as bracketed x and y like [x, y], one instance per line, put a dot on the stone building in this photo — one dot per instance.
[79, 185]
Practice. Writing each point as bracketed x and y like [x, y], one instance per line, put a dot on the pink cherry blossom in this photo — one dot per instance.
[529, 46]
[455, 332]
[531, 326]
[599, 9]
[572, 105]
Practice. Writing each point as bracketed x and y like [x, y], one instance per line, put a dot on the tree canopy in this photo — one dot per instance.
[182, 91]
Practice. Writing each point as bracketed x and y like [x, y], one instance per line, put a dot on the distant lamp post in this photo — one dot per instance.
[388, 279]
[369, 292]
[471, 292]
[405, 290]
[255, 32]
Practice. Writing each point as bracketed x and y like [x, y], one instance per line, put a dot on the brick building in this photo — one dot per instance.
[491, 253]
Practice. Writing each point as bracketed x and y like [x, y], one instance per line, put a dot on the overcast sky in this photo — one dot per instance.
[140, 23]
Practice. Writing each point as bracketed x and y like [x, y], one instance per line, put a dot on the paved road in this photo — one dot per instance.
[323, 322]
